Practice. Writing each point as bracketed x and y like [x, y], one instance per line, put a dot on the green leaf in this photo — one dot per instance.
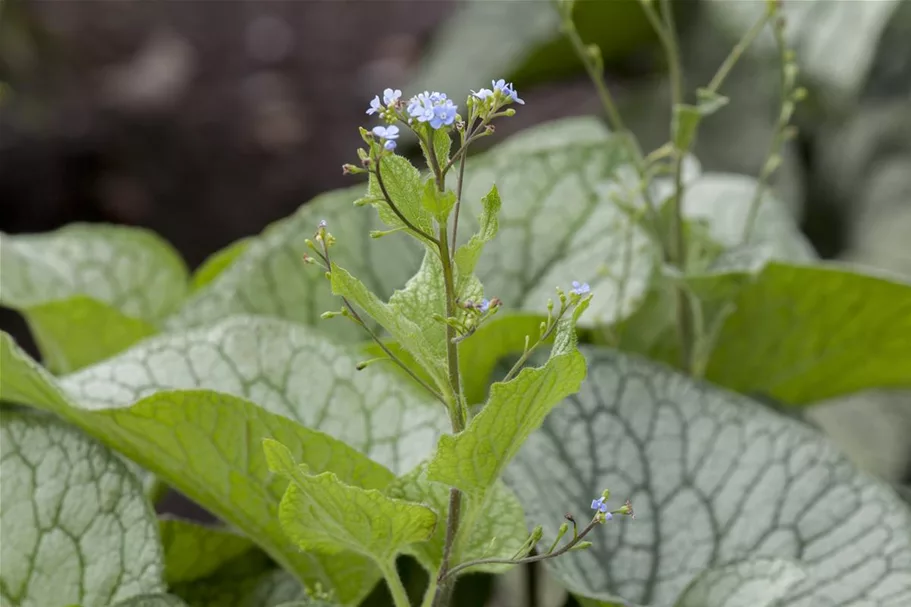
[251, 358]
[193, 551]
[152, 600]
[402, 183]
[442, 143]
[756, 583]
[497, 531]
[467, 256]
[113, 283]
[408, 316]
[247, 581]
[474, 459]
[715, 479]
[805, 333]
[218, 263]
[75, 524]
[438, 204]
[268, 277]
[322, 514]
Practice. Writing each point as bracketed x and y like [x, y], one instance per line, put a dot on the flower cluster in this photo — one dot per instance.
[580, 288]
[386, 109]
[434, 108]
[503, 93]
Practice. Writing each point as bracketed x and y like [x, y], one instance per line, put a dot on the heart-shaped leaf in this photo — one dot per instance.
[90, 291]
[759, 583]
[75, 524]
[715, 479]
[251, 358]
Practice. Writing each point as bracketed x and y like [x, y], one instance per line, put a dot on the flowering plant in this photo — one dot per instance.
[339, 417]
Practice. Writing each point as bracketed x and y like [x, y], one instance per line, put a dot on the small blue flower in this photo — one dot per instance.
[322, 224]
[608, 516]
[374, 106]
[391, 96]
[507, 90]
[434, 108]
[484, 306]
[482, 94]
[388, 134]
[600, 505]
[580, 288]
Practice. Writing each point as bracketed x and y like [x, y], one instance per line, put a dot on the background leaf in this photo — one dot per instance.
[113, 283]
[714, 479]
[193, 551]
[805, 333]
[152, 600]
[839, 69]
[75, 524]
[759, 583]
[269, 278]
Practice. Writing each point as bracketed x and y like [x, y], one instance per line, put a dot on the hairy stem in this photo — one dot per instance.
[529, 559]
[457, 414]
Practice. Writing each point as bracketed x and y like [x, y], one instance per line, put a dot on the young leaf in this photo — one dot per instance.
[322, 514]
[715, 479]
[756, 583]
[497, 530]
[268, 277]
[408, 316]
[113, 283]
[193, 551]
[467, 256]
[474, 459]
[438, 204]
[402, 183]
[75, 524]
[228, 473]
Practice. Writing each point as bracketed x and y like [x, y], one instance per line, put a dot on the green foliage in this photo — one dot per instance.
[716, 479]
[89, 291]
[325, 515]
[758, 583]
[193, 551]
[75, 524]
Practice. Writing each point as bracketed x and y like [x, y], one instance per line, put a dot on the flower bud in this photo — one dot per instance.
[581, 546]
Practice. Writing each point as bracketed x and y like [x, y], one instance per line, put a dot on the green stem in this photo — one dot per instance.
[530, 559]
[395, 209]
[430, 593]
[457, 414]
[394, 583]
[458, 202]
[737, 52]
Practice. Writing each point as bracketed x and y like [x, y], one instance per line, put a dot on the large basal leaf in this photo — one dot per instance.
[323, 514]
[835, 42]
[269, 278]
[758, 583]
[715, 479]
[293, 373]
[89, 291]
[498, 531]
[153, 600]
[75, 524]
[557, 222]
[805, 333]
[193, 551]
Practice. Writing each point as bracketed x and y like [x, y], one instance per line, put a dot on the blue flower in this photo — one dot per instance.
[482, 94]
[506, 89]
[434, 108]
[391, 96]
[580, 288]
[374, 106]
[388, 134]
[600, 505]
[484, 306]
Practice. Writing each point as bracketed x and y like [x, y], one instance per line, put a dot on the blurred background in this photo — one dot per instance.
[205, 121]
